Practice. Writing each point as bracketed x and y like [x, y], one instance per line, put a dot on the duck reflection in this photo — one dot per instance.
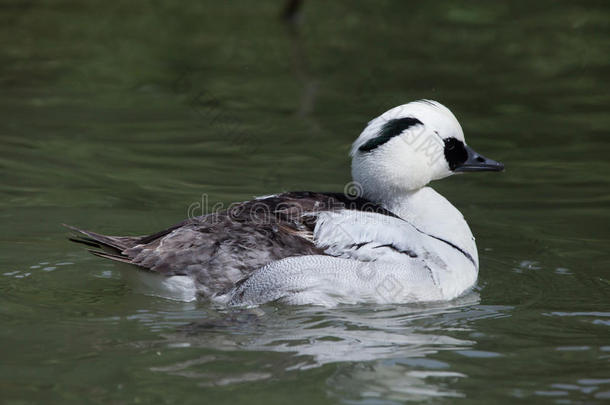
[378, 351]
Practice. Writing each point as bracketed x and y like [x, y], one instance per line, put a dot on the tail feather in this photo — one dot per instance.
[116, 243]
[114, 247]
[110, 247]
[85, 241]
[118, 258]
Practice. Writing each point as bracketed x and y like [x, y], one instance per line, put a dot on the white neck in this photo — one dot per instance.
[432, 214]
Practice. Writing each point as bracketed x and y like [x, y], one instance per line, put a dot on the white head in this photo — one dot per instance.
[410, 145]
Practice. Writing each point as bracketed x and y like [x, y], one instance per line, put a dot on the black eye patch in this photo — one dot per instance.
[389, 130]
[455, 152]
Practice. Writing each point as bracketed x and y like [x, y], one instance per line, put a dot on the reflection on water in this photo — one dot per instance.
[385, 348]
[120, 117]
[364, 354]
[361, 334]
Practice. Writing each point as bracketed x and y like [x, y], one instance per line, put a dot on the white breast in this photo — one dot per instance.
[433, 214]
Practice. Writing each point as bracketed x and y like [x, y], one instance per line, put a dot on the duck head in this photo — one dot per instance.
[410, 145]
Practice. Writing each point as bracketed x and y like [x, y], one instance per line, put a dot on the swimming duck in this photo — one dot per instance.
[391, 239]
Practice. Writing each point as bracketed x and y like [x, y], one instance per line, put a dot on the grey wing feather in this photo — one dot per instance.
[221, 248]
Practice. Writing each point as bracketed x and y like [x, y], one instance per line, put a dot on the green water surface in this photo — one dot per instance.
[119, 116]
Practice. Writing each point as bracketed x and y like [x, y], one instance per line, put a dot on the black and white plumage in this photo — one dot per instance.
[397, 242]
[222, 248]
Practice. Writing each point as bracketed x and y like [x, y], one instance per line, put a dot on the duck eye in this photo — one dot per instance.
[455, 152]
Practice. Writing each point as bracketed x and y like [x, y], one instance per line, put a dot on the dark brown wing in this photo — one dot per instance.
[221, 248]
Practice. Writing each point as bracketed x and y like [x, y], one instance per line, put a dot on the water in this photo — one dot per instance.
[123, 117]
